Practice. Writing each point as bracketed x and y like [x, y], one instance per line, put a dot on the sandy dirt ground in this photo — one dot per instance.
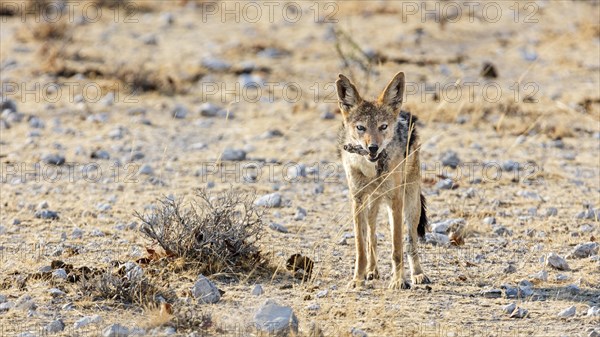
[117, 90]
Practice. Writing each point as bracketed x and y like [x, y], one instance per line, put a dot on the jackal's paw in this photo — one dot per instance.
[399, 284]
[420, 279]
[373, 275]
[355, 283]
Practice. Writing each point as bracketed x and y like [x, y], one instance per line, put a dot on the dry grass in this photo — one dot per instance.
[123, 289]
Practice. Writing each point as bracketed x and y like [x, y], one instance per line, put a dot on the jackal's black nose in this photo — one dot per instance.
[373, 148]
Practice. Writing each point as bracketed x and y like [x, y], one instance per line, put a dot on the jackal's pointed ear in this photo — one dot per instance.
[393, 94]
[347, 95]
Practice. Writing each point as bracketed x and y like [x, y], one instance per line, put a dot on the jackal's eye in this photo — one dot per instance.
[383, 127]
[361, 128]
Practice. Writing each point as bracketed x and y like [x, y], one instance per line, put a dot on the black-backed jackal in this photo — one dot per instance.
[381, 158]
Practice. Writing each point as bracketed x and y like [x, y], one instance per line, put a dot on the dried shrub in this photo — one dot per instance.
[213, 234]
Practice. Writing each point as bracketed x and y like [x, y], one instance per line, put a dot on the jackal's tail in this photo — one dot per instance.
[423, 219]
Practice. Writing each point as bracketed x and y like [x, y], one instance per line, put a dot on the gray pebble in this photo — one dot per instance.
[146, 169]
[568, 312]
[273, 133]
[179, 111]
[510, 166]
[278, 227]
[47, 214]
[205, 290]
[593, 311]
[300, 214]
[450, 159]
[7, 104]
[85, 321]
[555, 261]
[212, 110]
[437, 239]
[55, 292]
[444, 184]
[53, 159]
[551, 211]
[275, 319]
[100, 154]
[584, 250]
[230, 154]
[115, 330]
[269, 200]
[509, 308]
[257, 290]
[215, 64]
[519, 313]
[55, 326]
[358, 333]
[60, 274]
[36, 122]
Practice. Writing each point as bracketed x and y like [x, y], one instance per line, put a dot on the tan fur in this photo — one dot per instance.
[397, 189]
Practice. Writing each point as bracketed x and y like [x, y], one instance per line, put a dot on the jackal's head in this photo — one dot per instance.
[370, 125]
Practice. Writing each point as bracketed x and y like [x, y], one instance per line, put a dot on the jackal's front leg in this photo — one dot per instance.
[372, 271]
[398, 278]
[360, 224]
[412, 211]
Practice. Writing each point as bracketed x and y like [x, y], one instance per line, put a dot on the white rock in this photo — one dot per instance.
[519, 313]
[115, 330]
[300, 214]
[56, 292]
[269, 200]
[322, 293]
[357, 333]
[257, 290]
[442, 227]
[568, 312]
[133, 271]
[60, 274]
[594, 311]
[509, 308]
[85, 321]
[540, 276]
[437, 239]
